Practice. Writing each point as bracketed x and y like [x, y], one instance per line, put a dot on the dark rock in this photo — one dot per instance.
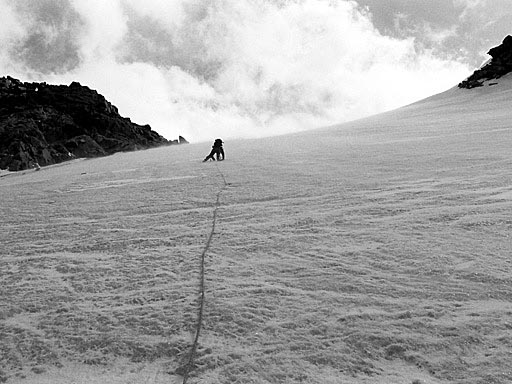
[84, 146]
[498, 66]
[502, 51]
[43, 124]
[182, 140]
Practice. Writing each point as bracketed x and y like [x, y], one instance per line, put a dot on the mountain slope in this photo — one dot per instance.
[376, 251]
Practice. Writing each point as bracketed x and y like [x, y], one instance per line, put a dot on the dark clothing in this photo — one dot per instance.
[220, 153]
[217, 150]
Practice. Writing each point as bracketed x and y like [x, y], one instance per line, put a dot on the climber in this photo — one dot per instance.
[217, 150]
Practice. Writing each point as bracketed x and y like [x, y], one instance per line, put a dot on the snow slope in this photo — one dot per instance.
[372, 252]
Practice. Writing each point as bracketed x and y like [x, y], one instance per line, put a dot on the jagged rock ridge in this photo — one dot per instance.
[42, 124]
[498, 66]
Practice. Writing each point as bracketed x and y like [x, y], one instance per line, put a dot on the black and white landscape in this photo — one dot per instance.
[376, 251]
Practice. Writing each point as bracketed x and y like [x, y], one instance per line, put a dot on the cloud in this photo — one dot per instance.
[207, 68]
[10, 29]
[469, 4]
[461, 30]
[39, 35]
[105, 26]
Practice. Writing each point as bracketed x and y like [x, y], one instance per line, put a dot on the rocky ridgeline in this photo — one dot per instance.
[498, 66]
[42, 124]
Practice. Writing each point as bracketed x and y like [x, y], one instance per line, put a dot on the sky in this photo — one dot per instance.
[249, 68]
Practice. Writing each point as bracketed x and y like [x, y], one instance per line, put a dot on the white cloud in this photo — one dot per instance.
[105, 26]
[11, 30]
[205, 68]
[469, 3]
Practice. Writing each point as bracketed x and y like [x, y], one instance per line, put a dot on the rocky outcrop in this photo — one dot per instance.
[182, 140]
[499, 65]
[42, 124]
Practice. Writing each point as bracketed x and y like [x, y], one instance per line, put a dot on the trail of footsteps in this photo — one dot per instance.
[190, 363]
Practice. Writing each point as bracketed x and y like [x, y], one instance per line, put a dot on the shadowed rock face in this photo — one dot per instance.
[498, 66]
[43, 124]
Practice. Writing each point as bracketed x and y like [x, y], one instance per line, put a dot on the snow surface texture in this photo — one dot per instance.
[373, 252]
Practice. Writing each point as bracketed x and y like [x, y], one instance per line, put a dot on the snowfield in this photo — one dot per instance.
[377, 251]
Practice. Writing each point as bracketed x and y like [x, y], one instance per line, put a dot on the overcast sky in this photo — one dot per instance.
[246, 68]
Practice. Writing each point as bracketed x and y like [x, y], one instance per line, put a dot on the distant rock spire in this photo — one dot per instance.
[499, 65]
